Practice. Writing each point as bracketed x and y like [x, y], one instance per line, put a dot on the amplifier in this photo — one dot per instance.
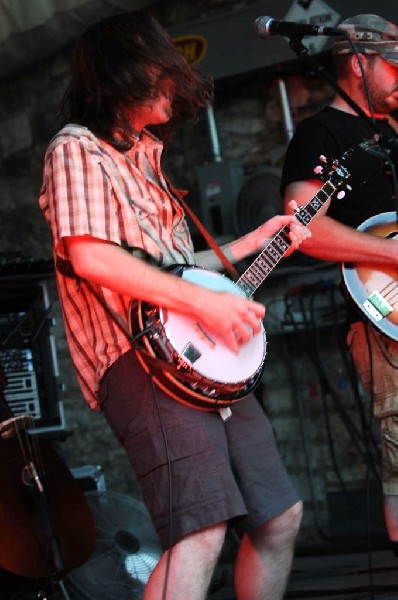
[28, 355]
[21, 392]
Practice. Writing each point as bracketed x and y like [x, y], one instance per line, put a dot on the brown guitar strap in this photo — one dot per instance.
[65, 267]
[233, 273]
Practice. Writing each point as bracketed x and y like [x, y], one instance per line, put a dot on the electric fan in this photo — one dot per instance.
[258, 199]
[127, 550]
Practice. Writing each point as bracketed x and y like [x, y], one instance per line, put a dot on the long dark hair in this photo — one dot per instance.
[112, 68]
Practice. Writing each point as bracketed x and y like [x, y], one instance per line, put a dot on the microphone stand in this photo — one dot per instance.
[296, 44]
[50, 546]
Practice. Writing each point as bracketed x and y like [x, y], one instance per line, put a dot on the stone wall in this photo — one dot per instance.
[251, 130]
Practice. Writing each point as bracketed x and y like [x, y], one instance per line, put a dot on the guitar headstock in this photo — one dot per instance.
[335, 173]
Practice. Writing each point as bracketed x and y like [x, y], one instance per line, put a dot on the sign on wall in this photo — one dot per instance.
[313, 12]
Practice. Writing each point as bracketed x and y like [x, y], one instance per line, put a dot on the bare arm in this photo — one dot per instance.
[219, 313]
[256, 240]
[331, 240]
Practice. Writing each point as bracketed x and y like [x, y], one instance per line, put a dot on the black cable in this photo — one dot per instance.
[358, 439]
[42, 322]
[371, 412]
[331, 444]
[18, 325]
[381, 348]
[353, 379]
[310, 326]
[324, 380]
[306, 444]
[134, 338]
[367, 437]
[168, 459]
[332, 454]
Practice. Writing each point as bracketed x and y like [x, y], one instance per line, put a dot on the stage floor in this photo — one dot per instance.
[316, 575]
[343, 576]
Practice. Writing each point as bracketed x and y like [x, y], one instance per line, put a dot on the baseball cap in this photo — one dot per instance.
[371, 34]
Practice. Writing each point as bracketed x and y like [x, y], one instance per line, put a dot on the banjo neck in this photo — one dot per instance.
[278, 246]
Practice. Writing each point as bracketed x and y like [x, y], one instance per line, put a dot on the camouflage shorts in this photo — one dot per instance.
[376, 357]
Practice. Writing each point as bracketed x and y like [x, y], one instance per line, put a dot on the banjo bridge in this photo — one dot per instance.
[204, 335]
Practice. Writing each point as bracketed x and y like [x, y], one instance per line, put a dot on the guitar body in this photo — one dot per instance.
[374, 289]
[197, 369]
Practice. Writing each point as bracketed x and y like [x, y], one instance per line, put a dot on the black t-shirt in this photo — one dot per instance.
[332, 132]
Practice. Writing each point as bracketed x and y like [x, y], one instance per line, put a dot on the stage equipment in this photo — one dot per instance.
[126, 552]
[267, 26]
[27, 346]
[45, 522]
[258, 200]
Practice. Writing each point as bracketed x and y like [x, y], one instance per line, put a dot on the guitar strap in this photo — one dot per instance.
[233, 273]
[65, 268]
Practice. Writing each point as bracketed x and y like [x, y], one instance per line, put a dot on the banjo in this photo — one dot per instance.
[195, 368]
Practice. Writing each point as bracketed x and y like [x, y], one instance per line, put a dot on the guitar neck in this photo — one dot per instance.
[275, 250]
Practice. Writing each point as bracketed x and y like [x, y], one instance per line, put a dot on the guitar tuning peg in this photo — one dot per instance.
[349, 188]
[340, 194]
[318, 170]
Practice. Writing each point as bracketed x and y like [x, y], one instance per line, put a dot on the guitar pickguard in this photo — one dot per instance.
[374, 288]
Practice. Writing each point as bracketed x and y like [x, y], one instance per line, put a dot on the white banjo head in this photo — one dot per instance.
[208, 355]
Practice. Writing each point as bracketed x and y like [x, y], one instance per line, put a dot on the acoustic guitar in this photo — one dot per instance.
[374, 289]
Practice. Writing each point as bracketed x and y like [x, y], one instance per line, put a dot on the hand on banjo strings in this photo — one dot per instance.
[233, 319]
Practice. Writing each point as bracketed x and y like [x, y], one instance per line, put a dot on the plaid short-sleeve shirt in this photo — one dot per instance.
[89, 188]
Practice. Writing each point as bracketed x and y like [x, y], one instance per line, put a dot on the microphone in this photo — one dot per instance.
[267, 26]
